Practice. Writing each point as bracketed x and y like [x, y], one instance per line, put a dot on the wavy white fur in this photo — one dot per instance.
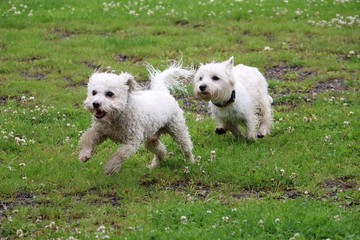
[131, 117]
[238, 95]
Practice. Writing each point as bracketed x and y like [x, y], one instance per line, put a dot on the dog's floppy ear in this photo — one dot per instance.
[130, 82]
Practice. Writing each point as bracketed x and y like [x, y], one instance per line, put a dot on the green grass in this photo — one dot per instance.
[301, 182]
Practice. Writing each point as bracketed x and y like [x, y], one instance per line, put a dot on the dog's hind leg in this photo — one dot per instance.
[125, 151]
[266, 117]
[155, 146]
[178, 130]
[251, 124]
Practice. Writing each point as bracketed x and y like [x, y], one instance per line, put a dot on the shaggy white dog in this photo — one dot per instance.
[132, 117]
[238, 95]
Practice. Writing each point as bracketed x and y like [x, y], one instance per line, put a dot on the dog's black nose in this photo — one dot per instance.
[202, 88]
[96, 104]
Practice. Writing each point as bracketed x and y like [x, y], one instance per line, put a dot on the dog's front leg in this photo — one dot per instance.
[235, 131]
[125, 151]
[89, 140]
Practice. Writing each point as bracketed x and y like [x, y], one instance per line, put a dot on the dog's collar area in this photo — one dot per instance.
[231, 100]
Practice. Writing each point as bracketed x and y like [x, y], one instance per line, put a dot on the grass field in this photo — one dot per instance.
[301, 182]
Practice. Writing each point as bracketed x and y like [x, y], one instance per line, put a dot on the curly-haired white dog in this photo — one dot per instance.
[238, 95]
[132, 117]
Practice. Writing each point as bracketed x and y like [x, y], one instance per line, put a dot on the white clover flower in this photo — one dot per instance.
[277, 220]
[327, 138]
[225, 218]
[101, 229]
[17, 140]
[267, 48]
[298, 12]
[208, 211]
[150, 12]
[199, 117]
[22, 164]
[261, 222]
[19, 233]
[183, 219]
[282, 171]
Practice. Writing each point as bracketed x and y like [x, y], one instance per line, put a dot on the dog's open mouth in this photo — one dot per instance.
[204, 96]
[100, 114]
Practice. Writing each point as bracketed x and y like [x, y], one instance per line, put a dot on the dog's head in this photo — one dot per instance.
[214, 81]
[108, 94]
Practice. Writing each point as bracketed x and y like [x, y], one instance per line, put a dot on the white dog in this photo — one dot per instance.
[238, 96]
[132, 117]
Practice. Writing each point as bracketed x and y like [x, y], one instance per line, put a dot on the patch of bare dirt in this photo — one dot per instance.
[99, 198]
[91, 65]
[330, 85]
[3, 99]
[282, 72]
[125, 58]
[194, 105]
[63, 33]
[71, 83]
[339, 184]
[34, 76]
[181, 23]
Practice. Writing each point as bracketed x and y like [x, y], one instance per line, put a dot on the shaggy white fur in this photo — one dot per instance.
[238, 96]
[133, 117]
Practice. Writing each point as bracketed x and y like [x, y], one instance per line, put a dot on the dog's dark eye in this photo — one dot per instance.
[109, 94]
[200, 79]
[94, 93]
[215, 78]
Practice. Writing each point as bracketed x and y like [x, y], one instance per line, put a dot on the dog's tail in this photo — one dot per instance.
[169, 78]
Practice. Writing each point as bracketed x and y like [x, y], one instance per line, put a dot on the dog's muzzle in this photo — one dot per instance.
[98, 112]
[203, 92]
[202, 87]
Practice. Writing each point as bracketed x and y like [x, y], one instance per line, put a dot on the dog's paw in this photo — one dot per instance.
[192, 159]
[220, 131]
[154, 165]
[85, 155]
[111, 169]
[260, 135]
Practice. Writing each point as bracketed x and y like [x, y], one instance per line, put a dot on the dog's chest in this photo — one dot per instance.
[119, 132]
[229, 114]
